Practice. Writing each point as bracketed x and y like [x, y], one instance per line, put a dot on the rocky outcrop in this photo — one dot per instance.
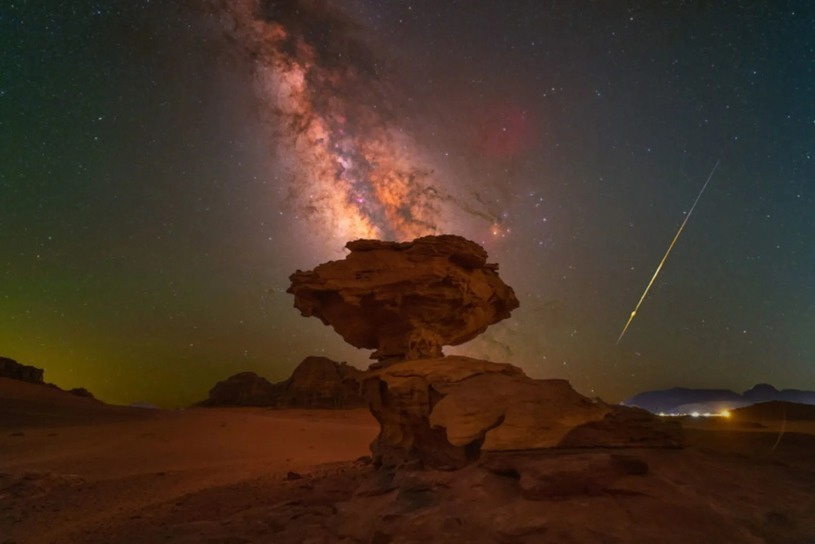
[243, 389]
[406, 300]
[81, 392]
[9, 368]
[629, 496]
[444, 413]
[317, 382]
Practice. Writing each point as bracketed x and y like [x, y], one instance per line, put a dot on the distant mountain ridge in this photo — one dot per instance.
[685, 400]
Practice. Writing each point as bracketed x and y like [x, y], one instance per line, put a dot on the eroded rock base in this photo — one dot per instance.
[444, 413]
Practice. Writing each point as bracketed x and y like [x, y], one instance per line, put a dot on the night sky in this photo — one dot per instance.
[163, 169]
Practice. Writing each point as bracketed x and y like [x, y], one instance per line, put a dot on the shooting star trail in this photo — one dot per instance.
[668, 252]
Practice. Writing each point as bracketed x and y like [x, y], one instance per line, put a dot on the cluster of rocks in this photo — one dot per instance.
[317, 382]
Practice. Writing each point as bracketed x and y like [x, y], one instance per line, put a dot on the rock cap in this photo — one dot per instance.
[406, 299]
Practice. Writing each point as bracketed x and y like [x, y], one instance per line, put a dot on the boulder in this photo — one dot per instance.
[9, 368]
[445, 412]
[406, 300]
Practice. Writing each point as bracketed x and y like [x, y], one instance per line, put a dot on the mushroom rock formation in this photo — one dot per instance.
[445, 412]
[406, 299]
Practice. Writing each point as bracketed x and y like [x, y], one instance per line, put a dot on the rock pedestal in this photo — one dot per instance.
[407, 300]
[445, 412]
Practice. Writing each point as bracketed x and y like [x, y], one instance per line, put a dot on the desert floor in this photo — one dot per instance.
[75, 471]
[72, 470]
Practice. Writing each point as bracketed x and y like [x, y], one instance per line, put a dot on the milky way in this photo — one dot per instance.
[168, 165]
[352, 170]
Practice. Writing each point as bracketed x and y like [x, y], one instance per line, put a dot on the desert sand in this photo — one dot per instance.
[73, 470]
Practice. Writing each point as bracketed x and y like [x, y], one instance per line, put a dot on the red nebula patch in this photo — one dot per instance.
[505, 132]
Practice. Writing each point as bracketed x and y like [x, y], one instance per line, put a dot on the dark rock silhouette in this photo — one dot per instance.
[764, 392]
[775, 410]
[9, 368]
[81, 392]
[317, 382]
[684, 400]
[406, 300]
[761, 392]
[681, 399]
[242, 389]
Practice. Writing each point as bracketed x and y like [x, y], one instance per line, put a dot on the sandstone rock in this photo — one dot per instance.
[317, 382]
[625, 427]
[559, 475]
[243, 389]
[9, 368]
[406, 300]
[631, 496]
[445, 412]
[409, 299]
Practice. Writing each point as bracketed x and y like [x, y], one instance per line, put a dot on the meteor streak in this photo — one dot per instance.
[668, 252]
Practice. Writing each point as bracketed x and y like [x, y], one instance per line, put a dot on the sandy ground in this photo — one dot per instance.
[73, 470]
[69, 467]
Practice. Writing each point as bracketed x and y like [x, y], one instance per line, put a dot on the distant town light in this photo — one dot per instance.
[723, 413]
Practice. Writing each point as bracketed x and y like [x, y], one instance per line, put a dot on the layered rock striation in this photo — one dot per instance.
[406, 300]
[446, 412]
